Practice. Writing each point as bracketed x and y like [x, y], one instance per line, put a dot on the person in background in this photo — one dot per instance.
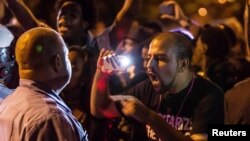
[76, 94]
[237, 98]
[217, 66]
[237, 105]
[6, 61]
[175, 103]
[75, 21]
[34, 111]
[172, 16]
[130, 48]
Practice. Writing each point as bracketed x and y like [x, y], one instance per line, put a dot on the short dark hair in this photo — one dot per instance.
[184, 45]
[217, 41]
[230, 32]
[82, 52]
[88, 7]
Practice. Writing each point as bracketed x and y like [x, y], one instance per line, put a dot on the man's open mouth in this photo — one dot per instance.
[156, 82]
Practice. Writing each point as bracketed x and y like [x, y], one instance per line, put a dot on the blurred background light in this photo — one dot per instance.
[222, 1]
[202, 11]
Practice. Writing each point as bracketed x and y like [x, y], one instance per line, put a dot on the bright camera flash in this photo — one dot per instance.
[125, 61]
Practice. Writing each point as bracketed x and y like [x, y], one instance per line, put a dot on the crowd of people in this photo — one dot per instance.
[180, 76]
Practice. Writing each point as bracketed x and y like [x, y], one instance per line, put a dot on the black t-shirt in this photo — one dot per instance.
[202, 106]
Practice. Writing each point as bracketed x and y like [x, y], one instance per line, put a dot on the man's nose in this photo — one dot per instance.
[151, 63]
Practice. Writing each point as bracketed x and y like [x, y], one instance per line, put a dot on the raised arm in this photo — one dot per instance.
[128, 10]
[102, 104]
[23, 14]
[123, 20]
[179, 16]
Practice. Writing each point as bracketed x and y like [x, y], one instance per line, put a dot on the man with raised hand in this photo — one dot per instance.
[174, 103]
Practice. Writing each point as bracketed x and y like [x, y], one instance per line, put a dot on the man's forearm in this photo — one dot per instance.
[163, 130]
[129, 9]
[123, 21]
[22, 13]
[100, 99]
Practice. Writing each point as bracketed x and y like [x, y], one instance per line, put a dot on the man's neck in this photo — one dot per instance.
[181, 82]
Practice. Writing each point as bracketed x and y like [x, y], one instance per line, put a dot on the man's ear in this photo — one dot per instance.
[55, 62]
[183, 64]
[204, 48]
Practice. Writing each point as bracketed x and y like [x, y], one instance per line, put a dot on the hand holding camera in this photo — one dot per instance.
[110, 62]
[116, 62]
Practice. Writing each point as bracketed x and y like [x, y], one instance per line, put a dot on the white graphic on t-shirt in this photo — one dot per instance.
[179, 123]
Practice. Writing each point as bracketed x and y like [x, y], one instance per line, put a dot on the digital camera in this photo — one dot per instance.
[118, 63]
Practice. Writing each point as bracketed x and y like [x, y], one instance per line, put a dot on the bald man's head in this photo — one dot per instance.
[35, 47]
[42, 52]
